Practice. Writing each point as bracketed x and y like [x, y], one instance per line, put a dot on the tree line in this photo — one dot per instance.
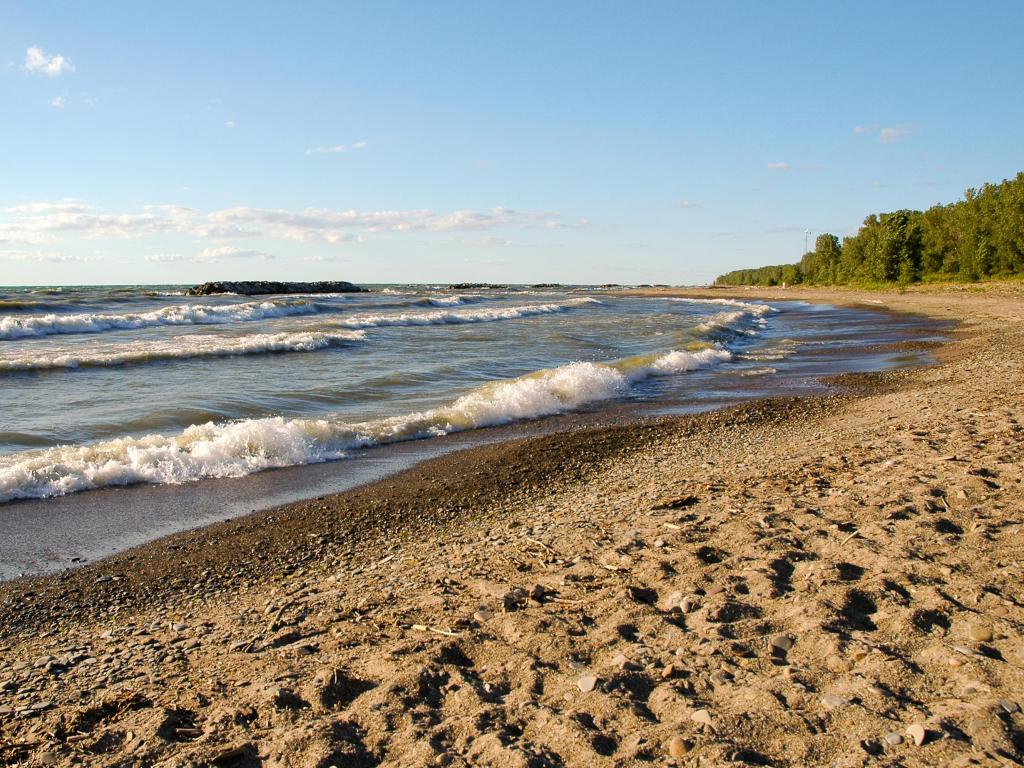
[979, 237]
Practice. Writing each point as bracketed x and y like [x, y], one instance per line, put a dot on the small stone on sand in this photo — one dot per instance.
[678, 747]
[981, 633]
[917, 733]
[780, 644]
[587, 683]
[1009, 707]
[701, 717]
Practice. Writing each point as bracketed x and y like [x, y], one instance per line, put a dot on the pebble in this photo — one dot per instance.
[678, 747]
[721, 677]
[484, 614]
[689, 604]
[587, 683]
[893, 739]
[620, 661]
[701, 717]
[917, 733]
[981, 633]
[1009, 707]
[781, 644]
[832, 702]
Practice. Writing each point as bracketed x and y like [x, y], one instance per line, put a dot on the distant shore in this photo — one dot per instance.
[790, 580]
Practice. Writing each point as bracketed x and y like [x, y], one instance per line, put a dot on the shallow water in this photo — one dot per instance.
[109, 387]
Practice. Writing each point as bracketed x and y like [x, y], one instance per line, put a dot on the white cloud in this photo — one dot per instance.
[895, 134]
[68, 205]
[487, 241]
[46, 256]
[41, 222]
[780, 166]
[230, 252]
[324, 225]
[44, 222]
[337, 148]
[229, 124]
[556, 224]
[162, 258]
[38, 61]
[687, 204]
[58, 102]
[886, 135]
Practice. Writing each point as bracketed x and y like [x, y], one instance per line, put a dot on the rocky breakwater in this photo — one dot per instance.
[262, 287]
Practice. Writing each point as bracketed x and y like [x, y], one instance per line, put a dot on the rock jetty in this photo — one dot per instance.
[261, 287]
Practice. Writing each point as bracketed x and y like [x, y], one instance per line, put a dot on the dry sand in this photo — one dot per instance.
[819, 581]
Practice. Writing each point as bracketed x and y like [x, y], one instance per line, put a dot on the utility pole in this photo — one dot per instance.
[807, 234]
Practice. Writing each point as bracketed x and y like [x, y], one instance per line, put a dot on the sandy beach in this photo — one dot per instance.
[829, 580]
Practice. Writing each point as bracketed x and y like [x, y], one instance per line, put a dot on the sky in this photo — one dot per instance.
[574, 142]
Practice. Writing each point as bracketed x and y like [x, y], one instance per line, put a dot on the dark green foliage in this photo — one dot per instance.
[977, 238]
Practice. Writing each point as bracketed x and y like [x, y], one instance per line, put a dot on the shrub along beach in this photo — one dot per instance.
[789, 582]
[980, 237]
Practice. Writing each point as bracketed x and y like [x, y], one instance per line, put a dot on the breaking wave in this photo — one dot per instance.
[748, 306]
[181, 314]
[240, 448]
[460, 316]
[445, 301]
[176, 348]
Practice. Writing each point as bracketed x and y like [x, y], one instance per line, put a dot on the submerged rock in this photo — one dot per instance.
[261, 287]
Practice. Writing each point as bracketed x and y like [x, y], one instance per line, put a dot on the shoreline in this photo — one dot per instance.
[394, 591]
[110, 520]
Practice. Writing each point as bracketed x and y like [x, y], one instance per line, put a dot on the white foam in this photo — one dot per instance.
[749, 306]
[243, 447]
[460, 316]
[175, 348]
[446, 301]
[12, 327]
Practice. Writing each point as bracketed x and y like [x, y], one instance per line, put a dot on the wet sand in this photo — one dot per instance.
[794, 581]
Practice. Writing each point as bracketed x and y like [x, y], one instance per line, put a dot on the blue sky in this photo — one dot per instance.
[522, 142]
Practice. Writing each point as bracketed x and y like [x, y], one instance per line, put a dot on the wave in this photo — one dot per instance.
[181, 314]
[779, 350]
[14, 305]
[12, 327]
[461, 316]
[176, 348]
[725, 324]
[747, 306]
[445, 301]
[240, 448]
